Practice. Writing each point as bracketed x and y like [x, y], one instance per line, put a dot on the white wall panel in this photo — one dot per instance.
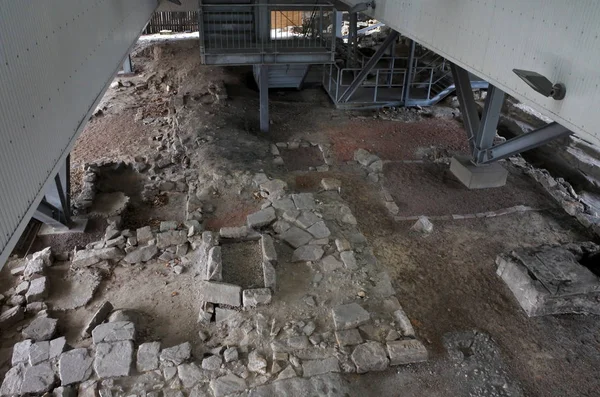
[558, 38]
[56, 60]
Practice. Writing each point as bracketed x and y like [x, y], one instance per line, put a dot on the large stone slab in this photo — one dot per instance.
[370, 356]
[39, 352]
[113, 359]
[304, 201]
[349, 316]
[307, 253]
[223, 293]
[296, 237]
[172, 237]
[41, 328]
[11, 316]
[38, 290]
[551, 280]
[113, 332]
[141, 254]
[85, 258]
[20, 352]
[176, 355]
[261, 218]
[13, 380]
[38, 379]
[406, 352]
[267, 246]
[226, 385]
[99, 316]
[74, 366]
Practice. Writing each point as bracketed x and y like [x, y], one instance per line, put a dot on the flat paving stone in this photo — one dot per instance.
[349, 316]
[269, 253]
[307, 253]
[147, 356]
[304, 201]
[176, 354]
[41, 328]
[38, 379]
[20, 353]
[256, 296]
[220, 293]
[113, 359]
[348, 337]
[261, 218]
[113, 332]
[39, 352]
[74, 366]
[307, 219]
[296, 237]
[13, 380]
[141, 254]
[319, 230]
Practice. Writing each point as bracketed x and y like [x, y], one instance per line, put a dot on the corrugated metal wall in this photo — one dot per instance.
[558, 38]
[56, 60]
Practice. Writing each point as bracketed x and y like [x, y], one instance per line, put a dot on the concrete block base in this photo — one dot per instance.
[78, 226]
[478, 177]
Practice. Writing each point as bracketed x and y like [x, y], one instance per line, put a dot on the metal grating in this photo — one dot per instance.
[557, 38]
[56, 60]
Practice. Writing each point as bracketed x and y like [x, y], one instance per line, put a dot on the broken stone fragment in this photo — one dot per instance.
[39, 352]
[20, 352]
[13, 380]
[86, 258]
[274, 188]
[320, 367]
[220, 293]
[234, 232]
[269, 276]
[41, 328]
[307, 253]
[370, 356]
[230, 354]
[227, 385]
[113, 359]
[141, 254]
[34, 266]
[113, 332]
[261, 218]
[330, 263]
[256, 297]
[64, 392]
[212, 363]
[144, 234]
[349, 316]
[98, 317]
[74, 366]
[284, 204]
[147, 356]
[306, 219]
[406, 352]
[176, 355]
[22, 288]
[268, 249]
[173, 237]
[331, 184]
[190, 375]
[296, 237]
[57, 347]
[348, 259]
[214, 265]
[11, 316]
[423, 225]
[38, 379]
[348, 337]
[165, 226]
[38, 290]
[364, 158]
[257, 363]
[404, 323]
[304, 201]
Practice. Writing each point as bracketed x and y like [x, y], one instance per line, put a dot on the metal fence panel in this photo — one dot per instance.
[56, 60]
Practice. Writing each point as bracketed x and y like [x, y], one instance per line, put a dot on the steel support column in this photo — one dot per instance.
[524, 142]
[50, 215]
[408, 76]
[127, 65]
[362, 75]
[263, 82]
[353, 39]
[484, 138]
[468, 108]
[55, 208]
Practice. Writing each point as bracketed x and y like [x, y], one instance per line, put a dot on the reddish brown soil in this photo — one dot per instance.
[230, 213]
[431, 189]
[395, 140]
[302, 159]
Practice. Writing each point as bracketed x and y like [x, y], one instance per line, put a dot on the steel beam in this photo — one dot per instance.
[468, 108]
[127, 66]
[484, 138]
[50, 215]
[338, 24]
[524, 142]
[263, 82]
[353, 38]
[362, 75]
[408, 77]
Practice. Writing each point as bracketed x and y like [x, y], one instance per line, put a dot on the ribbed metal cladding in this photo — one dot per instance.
[56, 60]
[557, 38]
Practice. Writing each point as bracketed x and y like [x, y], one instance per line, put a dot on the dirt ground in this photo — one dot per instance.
[446, 281]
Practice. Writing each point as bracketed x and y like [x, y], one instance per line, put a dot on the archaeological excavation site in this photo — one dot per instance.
[299, 198]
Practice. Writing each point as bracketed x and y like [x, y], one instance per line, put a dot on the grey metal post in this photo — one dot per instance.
[263, 82]
[57, 195]
[127, 65]
[489, 121]
[338, 24]
[408, 77]
[468, 108]
[353, 38]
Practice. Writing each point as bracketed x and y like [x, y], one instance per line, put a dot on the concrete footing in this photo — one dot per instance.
[478, 177]
[77, 226]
